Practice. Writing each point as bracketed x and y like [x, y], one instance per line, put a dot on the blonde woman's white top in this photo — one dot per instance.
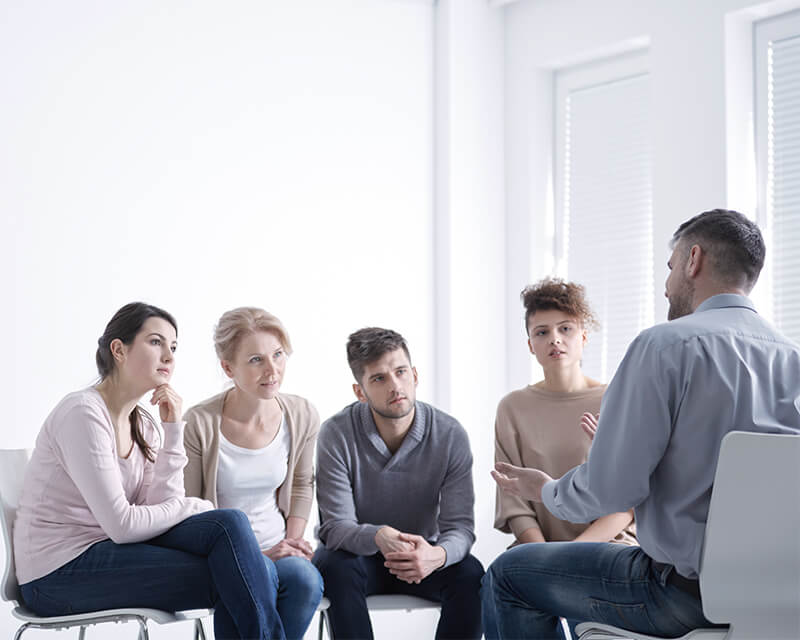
[248, 479]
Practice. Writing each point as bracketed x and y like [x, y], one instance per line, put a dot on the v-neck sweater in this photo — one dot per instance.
[424, 488]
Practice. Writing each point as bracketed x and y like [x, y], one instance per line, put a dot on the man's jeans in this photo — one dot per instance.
[299, 588]
[209, 560]
[349, 579]
[528, 587]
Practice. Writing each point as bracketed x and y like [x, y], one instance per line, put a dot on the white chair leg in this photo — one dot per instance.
[82, 633]
[20, 631]
[322, 621]
[144, 634]
[199, 630]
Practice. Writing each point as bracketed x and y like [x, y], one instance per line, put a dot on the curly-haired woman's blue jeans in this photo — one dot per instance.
[209, 560]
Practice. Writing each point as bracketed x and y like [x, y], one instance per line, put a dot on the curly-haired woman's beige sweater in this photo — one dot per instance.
[541, 429]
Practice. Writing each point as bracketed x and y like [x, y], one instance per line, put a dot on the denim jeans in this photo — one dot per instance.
[209, 560]
[527, 588]
[299, 588]
[349, 579]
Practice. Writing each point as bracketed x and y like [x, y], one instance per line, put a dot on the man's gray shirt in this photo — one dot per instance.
[680, 388]
[425, 488]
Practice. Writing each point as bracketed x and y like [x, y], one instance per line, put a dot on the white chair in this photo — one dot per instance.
[750, 565]
[12, 472]
[386, 602]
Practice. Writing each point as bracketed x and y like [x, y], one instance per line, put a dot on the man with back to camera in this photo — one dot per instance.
[394, 487]
[682, 385]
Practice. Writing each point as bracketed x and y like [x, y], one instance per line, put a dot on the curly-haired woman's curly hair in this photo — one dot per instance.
[554, 293]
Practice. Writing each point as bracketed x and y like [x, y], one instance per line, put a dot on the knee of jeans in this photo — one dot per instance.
[233, 519]
[494, 573]
[272, 571]
[300, 577]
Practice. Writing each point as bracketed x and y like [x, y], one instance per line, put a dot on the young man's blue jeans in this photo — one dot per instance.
[209, 560]
[349, 579]
[299, 588]
[527, 588]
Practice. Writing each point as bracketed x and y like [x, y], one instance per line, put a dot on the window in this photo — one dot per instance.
[777, 109]
[604, 229]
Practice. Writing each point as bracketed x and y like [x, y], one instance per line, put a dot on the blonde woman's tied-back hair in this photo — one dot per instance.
[237, 323]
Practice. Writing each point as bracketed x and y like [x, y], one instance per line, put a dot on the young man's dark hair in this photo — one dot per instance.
[732, 241]
[369, 344]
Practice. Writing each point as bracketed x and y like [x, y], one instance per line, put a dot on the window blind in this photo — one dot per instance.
[778, 65]
[604, 220]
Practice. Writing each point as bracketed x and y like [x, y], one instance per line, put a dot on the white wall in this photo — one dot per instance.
[275, 154]
[470, 242]
[203, 155]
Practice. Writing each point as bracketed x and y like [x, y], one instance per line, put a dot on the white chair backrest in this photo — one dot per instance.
[750, 569]
[12, 473]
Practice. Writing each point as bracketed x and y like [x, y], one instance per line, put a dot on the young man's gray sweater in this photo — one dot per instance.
[425, 488]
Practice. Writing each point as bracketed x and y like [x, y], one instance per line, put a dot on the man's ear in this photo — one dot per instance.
[530, 347]
[694, 263]
[416, 377]
[359, 393]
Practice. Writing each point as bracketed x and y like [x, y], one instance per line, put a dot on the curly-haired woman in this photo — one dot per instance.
[539, 426]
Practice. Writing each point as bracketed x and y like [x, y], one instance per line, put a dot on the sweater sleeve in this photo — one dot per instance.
[164, 477]
[84, 444]
[303, 484]
[512, 513]
[339, 527]
[457, 501]
[193, 471]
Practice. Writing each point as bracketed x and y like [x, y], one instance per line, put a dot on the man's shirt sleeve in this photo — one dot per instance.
[632, 436]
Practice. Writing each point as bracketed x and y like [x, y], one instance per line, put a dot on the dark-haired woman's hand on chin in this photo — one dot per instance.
[169, 403]
[289, 547]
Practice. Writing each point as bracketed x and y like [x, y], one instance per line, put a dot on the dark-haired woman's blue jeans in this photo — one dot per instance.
[209, 560]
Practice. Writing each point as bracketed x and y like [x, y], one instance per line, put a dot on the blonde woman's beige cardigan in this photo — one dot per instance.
[201, 440]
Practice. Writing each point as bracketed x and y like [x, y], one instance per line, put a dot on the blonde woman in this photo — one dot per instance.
[251, 448]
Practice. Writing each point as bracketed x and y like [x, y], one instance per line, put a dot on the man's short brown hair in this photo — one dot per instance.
[732, 241]
[369, 344]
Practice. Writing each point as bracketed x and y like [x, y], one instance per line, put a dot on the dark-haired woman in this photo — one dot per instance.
[103, 522]
[540, 425]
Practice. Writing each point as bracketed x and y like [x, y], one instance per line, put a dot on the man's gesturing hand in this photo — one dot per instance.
[417, 564]
[518, 481]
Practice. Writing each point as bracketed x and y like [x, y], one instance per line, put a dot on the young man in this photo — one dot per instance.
[394, 486]
[717, 366]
